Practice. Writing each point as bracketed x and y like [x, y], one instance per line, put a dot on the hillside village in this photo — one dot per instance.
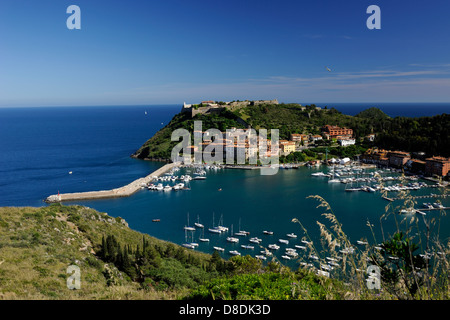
[240, 144]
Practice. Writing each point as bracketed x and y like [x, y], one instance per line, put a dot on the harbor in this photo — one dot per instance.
[124, 191]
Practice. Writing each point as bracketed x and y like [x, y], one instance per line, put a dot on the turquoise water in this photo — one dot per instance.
[257, 203]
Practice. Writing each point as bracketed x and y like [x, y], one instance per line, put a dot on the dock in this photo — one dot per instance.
[124, 191]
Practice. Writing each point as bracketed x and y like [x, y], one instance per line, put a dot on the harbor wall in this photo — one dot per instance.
[124, 191]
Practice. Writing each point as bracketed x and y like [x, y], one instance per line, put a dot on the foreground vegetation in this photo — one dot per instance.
[38, 244]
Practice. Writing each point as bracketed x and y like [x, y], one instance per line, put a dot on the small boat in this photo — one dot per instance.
[194, 244]
[235, 253]
[361, 242]
[188, 245]
[314, 257]
[260, 257]
[214, 230]
[219, 249]
[167, 188]
[268, 232]
[286, 257]
[247, 246]
[203, 239]
[300, 247]
[255, 240]
[189, 228]
[232, 239]
[273, 246]
[291, 235]
[306, 242]
[283, 241]
[156, 220]
[198, 224]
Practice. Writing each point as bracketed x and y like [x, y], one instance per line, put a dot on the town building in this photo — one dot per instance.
[398, 159]
[346, 142]
[439, 166]
[335, 132]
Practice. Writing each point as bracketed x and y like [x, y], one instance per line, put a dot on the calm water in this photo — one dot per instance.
[40, 146]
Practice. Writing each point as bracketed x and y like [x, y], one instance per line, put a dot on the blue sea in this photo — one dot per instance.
[69, 149]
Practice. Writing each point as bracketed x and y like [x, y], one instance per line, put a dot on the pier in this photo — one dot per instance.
[124, 191]
[417, 197]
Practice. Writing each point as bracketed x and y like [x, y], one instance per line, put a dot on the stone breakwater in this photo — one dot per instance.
[124, 191]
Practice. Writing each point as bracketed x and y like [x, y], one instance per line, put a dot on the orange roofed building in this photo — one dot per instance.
[439, 166]
[331, 132]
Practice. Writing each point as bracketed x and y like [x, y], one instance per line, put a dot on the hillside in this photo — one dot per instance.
[427, 134]
[37, 245]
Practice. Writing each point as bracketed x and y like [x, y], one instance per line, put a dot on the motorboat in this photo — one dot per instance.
[291, 235]
[268, 232]
[219, 249]
[283, 241]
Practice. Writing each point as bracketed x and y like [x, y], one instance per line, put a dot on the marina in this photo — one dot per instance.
[190, 220]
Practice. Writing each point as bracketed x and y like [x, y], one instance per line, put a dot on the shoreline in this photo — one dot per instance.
[123, 191]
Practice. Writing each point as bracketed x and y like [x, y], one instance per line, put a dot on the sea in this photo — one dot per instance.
[46, 150]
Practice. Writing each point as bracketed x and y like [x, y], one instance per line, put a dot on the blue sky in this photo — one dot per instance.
[164, 52]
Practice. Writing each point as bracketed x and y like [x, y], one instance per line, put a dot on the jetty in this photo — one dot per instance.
[124, 191]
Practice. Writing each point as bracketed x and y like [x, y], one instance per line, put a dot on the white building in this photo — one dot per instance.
[346, 142]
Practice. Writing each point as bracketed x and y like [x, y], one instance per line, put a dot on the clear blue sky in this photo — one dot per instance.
[164, 52]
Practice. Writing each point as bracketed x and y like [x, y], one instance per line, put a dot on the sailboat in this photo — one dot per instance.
[333, 179]
[351, 188]
[188, 228]
[198, 224]
[214, 229]
[241, 233]
[232, 239]
[203, 239]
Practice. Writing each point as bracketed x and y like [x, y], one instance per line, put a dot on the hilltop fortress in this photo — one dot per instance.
[211, 107]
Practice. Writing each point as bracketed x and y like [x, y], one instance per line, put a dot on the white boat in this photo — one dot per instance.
[167, 188]
[194, 244]
[214, 230]
[300, 247]
[291, 235]
[188, 245]
[283, 241]
[268, 232]
[314, 257]
[187, 227]
[260, 257]
[198, 224]
[235, 253]
[361, 242]
[286, 257]
[232, 239]
[203, 239]
[246, 246]
[273, 247]
[219, 249]
[306, 242]
[255, 240]
[159, 187]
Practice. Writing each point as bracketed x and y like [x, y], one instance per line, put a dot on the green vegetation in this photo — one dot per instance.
[427, 134]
